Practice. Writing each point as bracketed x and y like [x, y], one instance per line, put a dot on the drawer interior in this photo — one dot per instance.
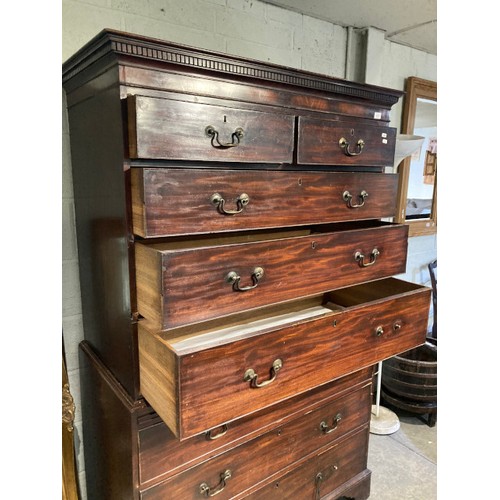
[257, 322]
[183, 243]
[193, 242]
[370, 292]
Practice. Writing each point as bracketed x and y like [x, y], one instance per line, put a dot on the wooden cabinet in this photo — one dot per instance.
[237, 278]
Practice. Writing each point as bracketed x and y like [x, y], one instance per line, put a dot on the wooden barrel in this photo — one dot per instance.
[409, 380]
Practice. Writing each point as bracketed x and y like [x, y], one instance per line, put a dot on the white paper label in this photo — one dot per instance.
[377, 115]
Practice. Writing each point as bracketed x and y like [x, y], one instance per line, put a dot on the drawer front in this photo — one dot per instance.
[168, 202]
[178, 130]
[345, 143]
[256, 460]
[225, 279]
[194, 385]
[323, 473]
[161, 454]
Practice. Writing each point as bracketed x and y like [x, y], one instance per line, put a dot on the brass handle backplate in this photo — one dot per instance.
[379, 331]
[214, 134]
[234, 278]
[323, 476]
[251, 376]
[347, 197]
[360, 258]
[344, 145]
[326, 429]
[211, 436]
[211, 492]
[241, 202]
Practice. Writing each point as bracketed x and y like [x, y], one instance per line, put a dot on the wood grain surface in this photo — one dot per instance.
[211, 383]
[337, 466]
[293, 267]
[259, 461]
[176, 201]
[176, 130]
[162, 455]
[319, 143]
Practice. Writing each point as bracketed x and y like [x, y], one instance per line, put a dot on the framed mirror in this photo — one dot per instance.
[417, 193]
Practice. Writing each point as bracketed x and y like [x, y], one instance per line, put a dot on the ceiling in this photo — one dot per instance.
[409, 22]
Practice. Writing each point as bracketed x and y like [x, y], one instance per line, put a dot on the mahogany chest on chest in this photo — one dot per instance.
[236, 267]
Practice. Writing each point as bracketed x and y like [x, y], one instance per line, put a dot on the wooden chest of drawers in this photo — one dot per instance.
[236, 274]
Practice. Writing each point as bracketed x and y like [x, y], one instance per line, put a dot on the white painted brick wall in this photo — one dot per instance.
[248, 6]
[286, 17]
[322, 47]
[248, 28]
[254, 30]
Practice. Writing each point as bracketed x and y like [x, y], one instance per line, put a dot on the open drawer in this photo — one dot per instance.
[231, 274]
[177, 201]
[199, 377]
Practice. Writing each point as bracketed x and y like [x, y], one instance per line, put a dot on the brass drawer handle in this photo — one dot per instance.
[241, 202]
[344, 144]
[326, 429]
[347, 197]
[360, 258]
[322, 476]
[211, 492]
[234, 278]
[211, 436]
[214, 134]
[251, 376]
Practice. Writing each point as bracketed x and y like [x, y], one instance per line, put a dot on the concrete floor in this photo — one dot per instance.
[404, 464]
